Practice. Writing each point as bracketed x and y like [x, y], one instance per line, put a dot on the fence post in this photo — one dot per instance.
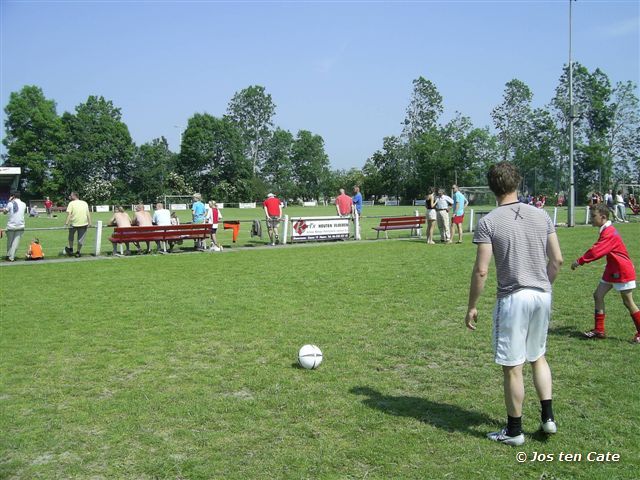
[471, 222]
[356, 223]
[555, 216]
[417, 214]
[286, 229]
[98, 237]
[586, 221]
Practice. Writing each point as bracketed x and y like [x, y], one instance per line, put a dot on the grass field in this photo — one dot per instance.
[183, 367]
[53, 236]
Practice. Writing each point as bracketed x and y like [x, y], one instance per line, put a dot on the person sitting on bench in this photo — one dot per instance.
[120, 219]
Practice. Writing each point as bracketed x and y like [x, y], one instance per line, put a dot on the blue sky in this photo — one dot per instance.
[342, 70]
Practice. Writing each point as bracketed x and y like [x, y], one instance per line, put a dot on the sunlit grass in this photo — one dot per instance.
[183, 366]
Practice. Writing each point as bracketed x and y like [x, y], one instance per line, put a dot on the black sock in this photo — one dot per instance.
[514, 426]
[547, 410]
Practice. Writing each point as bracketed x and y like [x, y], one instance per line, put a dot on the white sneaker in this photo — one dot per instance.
[549, 426]
[502, 437]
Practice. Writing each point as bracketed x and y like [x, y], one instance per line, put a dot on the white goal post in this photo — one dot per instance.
[178, 202]
[480, 195]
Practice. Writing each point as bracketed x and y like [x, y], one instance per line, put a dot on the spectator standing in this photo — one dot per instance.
[633, 204]
[213, 217]
[79, 220]
[611, 204]
[344, 204]
[273, 213]
[16, 209]
[48, 205]
[459, 202]
[430, 203]
[357, 200]
[443, 204]
[527, 257]
[120, 219]
[197, 216]
[621, 210]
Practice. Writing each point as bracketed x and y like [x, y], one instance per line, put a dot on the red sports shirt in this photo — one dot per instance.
[619, 267]
[273, 206]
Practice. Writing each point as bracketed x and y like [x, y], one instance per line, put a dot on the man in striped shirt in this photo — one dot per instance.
[527, 256]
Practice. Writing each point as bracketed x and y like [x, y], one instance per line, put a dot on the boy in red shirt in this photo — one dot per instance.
[619, 272]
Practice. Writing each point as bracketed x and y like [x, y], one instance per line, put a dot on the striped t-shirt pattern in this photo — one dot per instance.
[518, 235]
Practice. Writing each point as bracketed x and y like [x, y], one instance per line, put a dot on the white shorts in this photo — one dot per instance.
[431, 214]
[621, 287]
[520, 323]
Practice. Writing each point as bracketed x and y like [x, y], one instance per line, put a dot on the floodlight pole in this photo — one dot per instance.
[181, 130]
[572, 196]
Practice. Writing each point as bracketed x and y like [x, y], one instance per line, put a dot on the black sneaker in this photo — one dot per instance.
[78, 255]
[68, 251]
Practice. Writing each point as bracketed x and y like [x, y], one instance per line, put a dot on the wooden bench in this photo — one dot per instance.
[164, 233]
[400, 223]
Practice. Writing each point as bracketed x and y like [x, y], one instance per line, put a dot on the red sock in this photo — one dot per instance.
[636, 319]
[599, 322]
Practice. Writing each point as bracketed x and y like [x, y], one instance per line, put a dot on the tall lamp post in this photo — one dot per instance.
[181, 130]
[572, 195]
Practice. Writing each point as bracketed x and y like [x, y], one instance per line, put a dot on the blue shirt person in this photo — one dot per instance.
[459, 202]
[357, 199]
[197, 209]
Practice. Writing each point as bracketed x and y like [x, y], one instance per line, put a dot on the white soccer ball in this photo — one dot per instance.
[310, 357]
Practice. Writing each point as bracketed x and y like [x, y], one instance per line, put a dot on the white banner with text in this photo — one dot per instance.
[318, 229]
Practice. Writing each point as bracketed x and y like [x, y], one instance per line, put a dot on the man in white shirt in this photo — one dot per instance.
[161, 216]
[16, 209]
[443, 204]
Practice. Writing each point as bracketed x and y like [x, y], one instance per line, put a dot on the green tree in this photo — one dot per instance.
[98, 146]
[424, 109]
[33, 138]
[384, 170]
[152, 163]
[278, 166]
[539, 163]
[310, 166]
[211, 159]
[512, 120]
[623, 137]
[346, 179]
[252, 110]
[593, 119]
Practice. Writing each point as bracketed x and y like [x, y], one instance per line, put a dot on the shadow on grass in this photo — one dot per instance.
[441, 415]
[571, 332]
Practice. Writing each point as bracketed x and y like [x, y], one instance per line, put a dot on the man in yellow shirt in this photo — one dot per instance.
[79, 220]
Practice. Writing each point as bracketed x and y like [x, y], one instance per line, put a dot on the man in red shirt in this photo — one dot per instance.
[48, 205]
[619, 272]
[344, 203]
[273, 214]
